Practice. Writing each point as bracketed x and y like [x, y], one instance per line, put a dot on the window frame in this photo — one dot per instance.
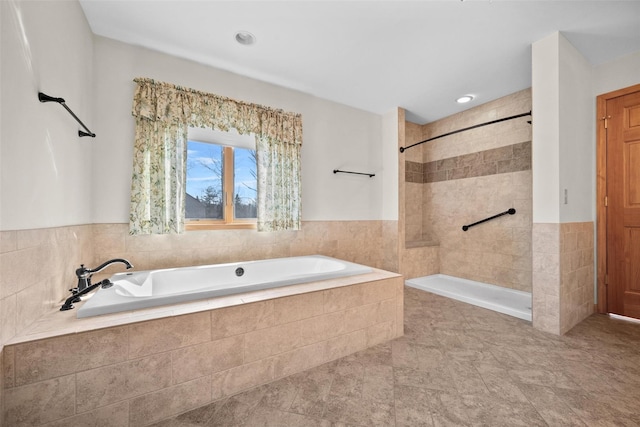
[229, 222]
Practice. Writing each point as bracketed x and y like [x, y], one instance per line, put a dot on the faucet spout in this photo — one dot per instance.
[111, 261]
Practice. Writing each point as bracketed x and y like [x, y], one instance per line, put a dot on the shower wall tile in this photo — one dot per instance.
[390, 245]
[510, 158]
[420, 261]
[469, 176]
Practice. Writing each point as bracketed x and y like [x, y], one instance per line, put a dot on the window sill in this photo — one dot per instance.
[214, 225]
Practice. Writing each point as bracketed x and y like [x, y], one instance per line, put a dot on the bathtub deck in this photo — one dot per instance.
[56, 323]
[503, 300]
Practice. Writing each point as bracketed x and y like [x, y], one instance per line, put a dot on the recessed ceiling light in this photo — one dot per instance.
[464, 99]
[245, 38]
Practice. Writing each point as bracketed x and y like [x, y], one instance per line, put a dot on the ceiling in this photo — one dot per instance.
[375, 55]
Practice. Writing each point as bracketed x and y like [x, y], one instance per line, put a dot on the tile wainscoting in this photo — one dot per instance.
[563, 275]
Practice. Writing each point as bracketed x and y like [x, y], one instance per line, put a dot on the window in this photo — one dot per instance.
[221, 188]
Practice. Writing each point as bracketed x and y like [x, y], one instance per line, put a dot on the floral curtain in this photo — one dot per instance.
[164, 112]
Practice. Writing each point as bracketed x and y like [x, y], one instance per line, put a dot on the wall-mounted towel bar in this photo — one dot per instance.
[469, 128]
[46, 98]
[371, 175]
[510, 212]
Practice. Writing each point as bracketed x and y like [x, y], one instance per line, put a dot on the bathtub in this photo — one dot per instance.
[503, 300]
[144, 289]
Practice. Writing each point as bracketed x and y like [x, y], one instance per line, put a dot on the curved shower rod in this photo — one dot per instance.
[469, 128]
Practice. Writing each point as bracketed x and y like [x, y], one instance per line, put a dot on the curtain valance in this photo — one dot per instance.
[165, 102]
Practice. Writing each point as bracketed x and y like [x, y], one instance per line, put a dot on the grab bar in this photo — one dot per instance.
[510, 212]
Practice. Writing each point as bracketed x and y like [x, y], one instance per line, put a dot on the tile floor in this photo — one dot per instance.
[457, 365]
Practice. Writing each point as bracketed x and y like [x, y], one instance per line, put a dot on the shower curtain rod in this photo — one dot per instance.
[469, 128]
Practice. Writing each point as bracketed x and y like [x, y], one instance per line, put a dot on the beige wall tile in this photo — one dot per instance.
[297, 307]
[299, 359]
[342, 298]
[203, 359]
[399, 317]
[240, 319]
[386, 311]
[8, 318]
[247, 376]
[116, 415]
[379, 290]
[8, 367]
[313, 330]
[43, 359]
[267, 342]
[40, 403]
[167, 334]
[380, 333]
[8, 241]
[103, 386]
[346, 344]
[161, 404]
[31, 292]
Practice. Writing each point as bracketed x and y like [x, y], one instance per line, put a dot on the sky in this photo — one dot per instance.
[200, 176]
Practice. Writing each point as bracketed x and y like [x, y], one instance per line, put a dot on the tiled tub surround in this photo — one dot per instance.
[37, 266]
[36, 270]
[355, 241]
[137, 372]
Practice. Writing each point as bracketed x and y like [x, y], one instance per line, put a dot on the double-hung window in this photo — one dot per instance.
[221, 187]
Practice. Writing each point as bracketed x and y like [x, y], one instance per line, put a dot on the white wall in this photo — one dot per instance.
[335, 136]
[577, 135]
[564, 86]
[45, 166]
[617, 74]
[563, 133]
[545, 106]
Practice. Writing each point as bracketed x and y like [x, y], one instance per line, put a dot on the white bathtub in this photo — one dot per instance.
[503, 300]
[144, 289]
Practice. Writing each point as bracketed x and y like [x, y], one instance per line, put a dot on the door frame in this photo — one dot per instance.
[601, 191]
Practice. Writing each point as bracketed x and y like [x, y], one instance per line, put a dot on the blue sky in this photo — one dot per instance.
[200, 177]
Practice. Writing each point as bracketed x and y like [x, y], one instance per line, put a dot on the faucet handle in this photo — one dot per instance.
[82, 272]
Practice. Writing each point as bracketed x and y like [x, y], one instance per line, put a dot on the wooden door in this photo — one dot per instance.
[623, 204]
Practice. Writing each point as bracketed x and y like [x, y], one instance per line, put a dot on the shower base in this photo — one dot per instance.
[503, 300]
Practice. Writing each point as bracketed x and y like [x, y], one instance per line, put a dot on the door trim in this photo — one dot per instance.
[601, 191]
